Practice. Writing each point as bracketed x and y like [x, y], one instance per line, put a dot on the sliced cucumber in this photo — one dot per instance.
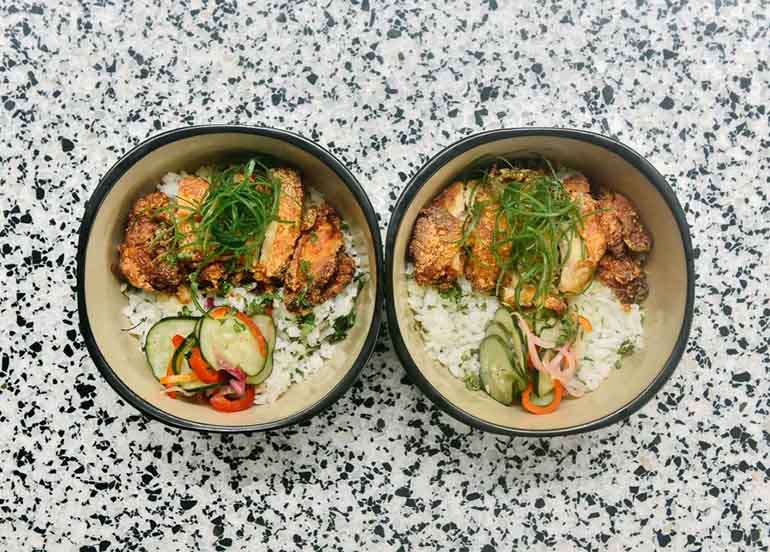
[227, 341]
[159, 347]
[495, 328]
[543, 400]
[267, 327]
[505, 319]
[519, 352]
[497, 373]
[182, 366]
[545, 384]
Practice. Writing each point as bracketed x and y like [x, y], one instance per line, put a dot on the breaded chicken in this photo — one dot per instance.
[623, 225]
[583, 251]
[141, 256]
[213, 274]
[282, 234]
[315, 262]
[436, 247]
[626, 278]
[190, 194]
[527, 296]
[481, 266]
[346, 270]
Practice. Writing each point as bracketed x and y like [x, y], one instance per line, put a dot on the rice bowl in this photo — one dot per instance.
[663, 318]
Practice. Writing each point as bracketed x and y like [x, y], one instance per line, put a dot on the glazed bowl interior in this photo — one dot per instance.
[666, 308]
[122, 360]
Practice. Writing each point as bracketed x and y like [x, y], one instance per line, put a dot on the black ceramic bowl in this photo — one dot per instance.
[669, 269]
[100, 302]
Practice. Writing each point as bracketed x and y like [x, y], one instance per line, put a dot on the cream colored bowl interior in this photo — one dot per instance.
[665, 307]
[104, 301]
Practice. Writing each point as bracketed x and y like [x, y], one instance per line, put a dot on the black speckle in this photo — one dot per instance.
[187, 503]
[663, 540]
[608, 93]
[667, 103]
[66, 144]
[742, 377]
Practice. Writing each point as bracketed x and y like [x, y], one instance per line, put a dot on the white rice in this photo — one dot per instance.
[452, 329]
[296, 356]
[612, 326]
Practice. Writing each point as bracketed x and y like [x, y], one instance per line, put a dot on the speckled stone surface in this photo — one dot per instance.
[384, 86]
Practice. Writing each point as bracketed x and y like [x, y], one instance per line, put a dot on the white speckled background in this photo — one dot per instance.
[384, 86]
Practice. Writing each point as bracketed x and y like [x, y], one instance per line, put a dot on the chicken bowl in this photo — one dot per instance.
[540, 281]
[228, 278]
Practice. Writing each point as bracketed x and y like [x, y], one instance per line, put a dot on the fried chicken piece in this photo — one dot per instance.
[281, 234]
[623, 225]
[308, 218]
[213, 274]
[626, 278]
[586, 249]
[315, 262]
[141, 257]
[527, 295]
[435, 246]
[190, 194]
[481, 267]
[346, 269]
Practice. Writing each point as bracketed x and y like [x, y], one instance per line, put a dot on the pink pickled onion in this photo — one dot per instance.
[569, 354]
[532, 340]
[209, 302]
[238, 383]
[531, 337]
[554, 367]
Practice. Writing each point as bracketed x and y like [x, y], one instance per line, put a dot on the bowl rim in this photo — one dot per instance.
[451, 151]
[136, 154]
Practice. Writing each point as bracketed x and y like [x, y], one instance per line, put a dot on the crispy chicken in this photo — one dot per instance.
[583, 251]
[625, 276]
[141, 256]
[628, 240]
[282, 234]
[319, 267]
[527, 296]
[190, 194]
[622, 225]
[436, 246]
[481, 267]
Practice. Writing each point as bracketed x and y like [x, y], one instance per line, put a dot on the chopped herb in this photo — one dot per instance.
[569, 329]
[313, 237]
[239, 327]
[626, 348]
[302, 301]
[341, 326]
[618, 364]
[472, 382]
[260, 304]
[225, 288]
[345, 226]
[306, 324]
[360, 279]
[453, 294]
[185, 311]
[304, 267]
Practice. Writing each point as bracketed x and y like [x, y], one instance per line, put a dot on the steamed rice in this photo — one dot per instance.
[298, 354]
[452, 327]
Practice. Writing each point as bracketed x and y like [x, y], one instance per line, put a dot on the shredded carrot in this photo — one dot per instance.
[178, 378]
[558, 391]
[585, 323]
[176, 341]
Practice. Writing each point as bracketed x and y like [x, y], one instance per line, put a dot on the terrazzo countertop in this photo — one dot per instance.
[384, 86]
